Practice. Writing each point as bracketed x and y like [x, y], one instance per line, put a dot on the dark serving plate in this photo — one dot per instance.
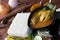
[53, 29]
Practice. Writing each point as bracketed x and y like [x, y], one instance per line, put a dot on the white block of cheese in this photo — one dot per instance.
[19, 25]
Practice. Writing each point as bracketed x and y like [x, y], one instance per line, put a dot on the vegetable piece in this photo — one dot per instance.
[14, 38]
[35, 6]
[9, 38]
[19, 38]
[12, 3]
[51, 6]
[42, 17]
[4, 9]
[38, 38]
[30, 37]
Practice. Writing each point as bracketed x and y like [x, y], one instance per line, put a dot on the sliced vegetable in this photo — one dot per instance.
[35, 6]
[19, 38]
[38, 38]
[51, 6]
[30, 37]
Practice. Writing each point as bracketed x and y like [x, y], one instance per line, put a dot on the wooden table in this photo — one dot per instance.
[3, 31]
[57, 2]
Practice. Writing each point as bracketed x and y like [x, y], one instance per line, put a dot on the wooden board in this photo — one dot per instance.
[57, 2]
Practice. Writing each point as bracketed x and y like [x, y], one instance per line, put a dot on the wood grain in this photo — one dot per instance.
[57, 2]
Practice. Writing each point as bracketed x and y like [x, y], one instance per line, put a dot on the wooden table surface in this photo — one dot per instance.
[57, 2]
[3, 31]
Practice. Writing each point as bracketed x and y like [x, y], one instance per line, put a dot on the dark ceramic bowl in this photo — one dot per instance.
[32, 13]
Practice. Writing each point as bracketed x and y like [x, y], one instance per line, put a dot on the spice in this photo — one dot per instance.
[12, 3]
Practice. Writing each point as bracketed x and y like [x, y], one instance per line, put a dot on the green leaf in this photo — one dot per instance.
[30, 37]
[52, 6]
[19, 39]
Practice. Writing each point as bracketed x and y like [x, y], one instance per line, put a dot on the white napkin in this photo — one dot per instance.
[19, 25]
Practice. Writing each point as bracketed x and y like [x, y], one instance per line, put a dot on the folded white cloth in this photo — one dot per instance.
[19, 25]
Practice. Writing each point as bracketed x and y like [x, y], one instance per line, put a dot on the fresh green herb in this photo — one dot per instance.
[30, 37]
[51, 6]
